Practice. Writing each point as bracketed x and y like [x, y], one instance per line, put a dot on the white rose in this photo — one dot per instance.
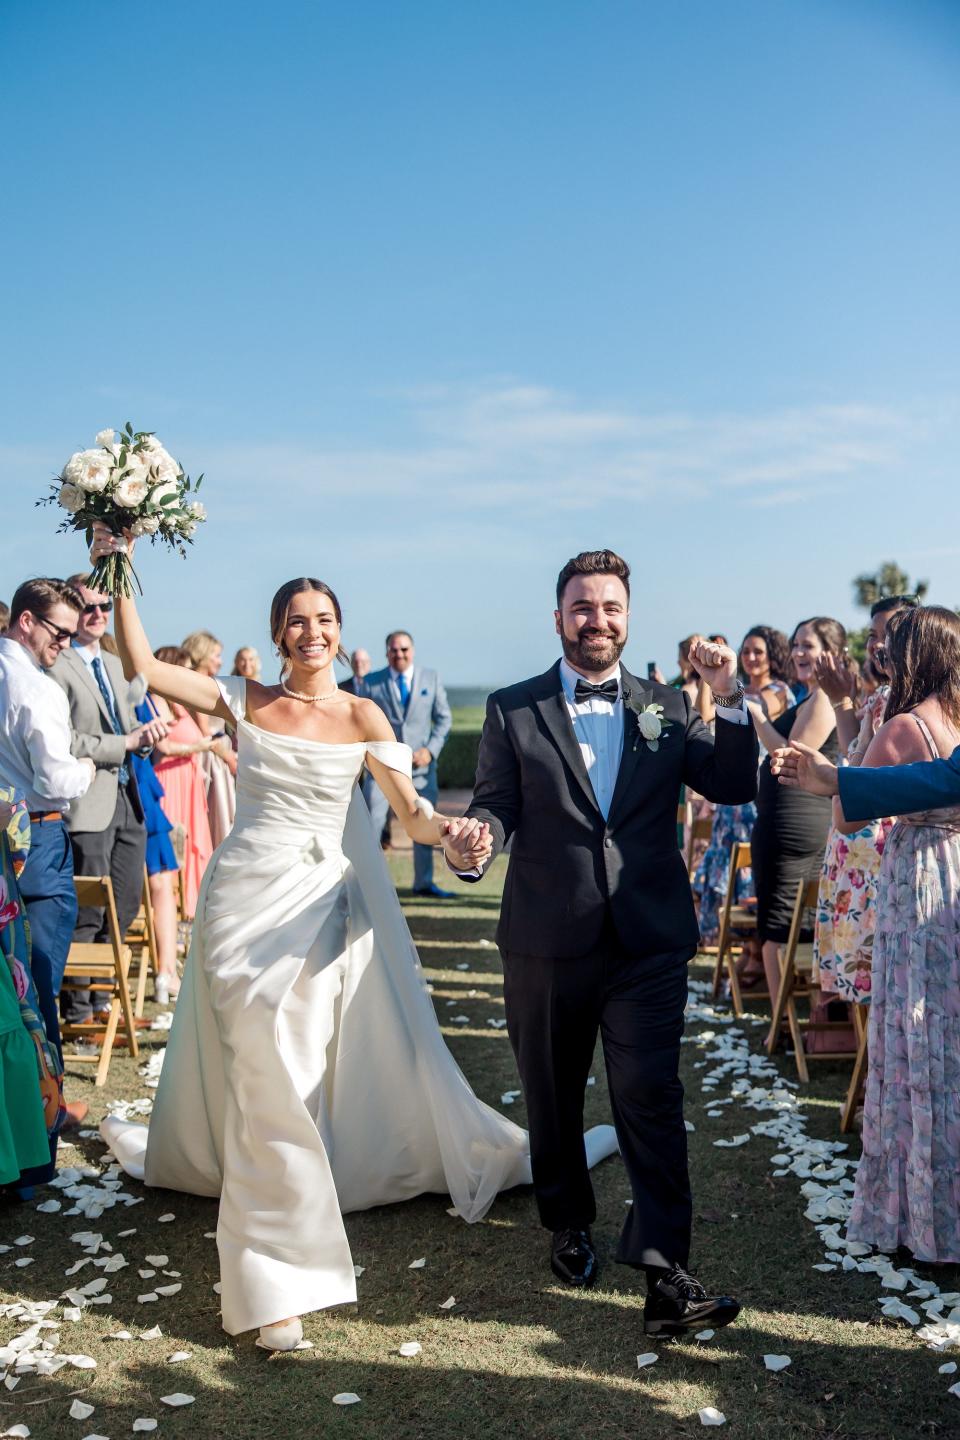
[187, 528]
[196, 511]
[134, 488]
[650, 725]
[70, 497]
[164, 467]
[146, 525]
[163, 491]
[89, 470]
[105, 437]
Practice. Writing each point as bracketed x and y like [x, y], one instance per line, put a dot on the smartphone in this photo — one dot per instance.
[651, 669]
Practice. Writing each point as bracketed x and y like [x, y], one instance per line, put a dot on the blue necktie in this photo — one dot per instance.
[404, 689]
[123, 774]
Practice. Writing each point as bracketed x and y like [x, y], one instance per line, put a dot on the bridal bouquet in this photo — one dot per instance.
[127, 482]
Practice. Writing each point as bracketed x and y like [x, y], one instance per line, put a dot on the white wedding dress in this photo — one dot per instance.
[306, 1074]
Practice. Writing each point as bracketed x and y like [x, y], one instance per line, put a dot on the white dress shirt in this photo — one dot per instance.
[89, 653]
[395, 681]
[598, 728]
[35, 734]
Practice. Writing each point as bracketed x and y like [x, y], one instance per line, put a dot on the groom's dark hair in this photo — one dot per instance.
[593, 562]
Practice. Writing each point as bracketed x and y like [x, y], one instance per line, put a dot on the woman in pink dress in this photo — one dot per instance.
[184, 789]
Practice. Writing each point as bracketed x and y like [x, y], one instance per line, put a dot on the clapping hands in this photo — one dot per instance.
[467, 843]
[838, 677]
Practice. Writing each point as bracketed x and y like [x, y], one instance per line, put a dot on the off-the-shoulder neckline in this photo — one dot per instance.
[326, 744]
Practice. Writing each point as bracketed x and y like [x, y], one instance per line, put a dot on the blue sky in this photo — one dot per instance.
[437, 295]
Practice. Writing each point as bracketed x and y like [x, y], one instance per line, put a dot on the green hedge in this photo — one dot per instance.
[457, 766]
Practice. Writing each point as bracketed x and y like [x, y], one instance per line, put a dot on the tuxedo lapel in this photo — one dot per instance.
[633, 691]
[552, 705]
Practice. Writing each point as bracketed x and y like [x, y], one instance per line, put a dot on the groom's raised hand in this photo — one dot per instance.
[715, 664]
[467, 843]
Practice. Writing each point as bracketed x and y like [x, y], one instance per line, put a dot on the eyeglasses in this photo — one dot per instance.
[105, 606]
[62, 637]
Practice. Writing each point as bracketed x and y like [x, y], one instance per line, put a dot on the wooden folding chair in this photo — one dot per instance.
[699, 830]
[735, 920]
[861, 1024]
[101, 966]
[142, 940]
[796, 982]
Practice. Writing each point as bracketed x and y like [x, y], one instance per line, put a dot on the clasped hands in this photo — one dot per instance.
[467, 843]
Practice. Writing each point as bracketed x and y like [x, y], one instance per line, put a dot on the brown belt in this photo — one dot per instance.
[37, 818]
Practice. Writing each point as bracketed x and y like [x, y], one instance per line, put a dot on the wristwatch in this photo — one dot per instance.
[729, 702]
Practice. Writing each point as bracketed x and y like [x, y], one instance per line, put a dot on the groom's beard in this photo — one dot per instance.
[591, 650]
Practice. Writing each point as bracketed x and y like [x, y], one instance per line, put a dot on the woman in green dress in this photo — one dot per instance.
[31, 1076]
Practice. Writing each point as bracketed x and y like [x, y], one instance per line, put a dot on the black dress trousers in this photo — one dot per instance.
[555, 1010]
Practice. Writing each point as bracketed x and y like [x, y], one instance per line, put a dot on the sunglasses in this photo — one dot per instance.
[105, 606]
[62, 637]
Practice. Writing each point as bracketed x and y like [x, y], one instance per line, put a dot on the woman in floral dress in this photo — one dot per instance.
[908, 1181]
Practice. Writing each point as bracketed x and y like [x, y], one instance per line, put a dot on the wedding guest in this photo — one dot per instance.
[205, 655]
[415, 703]
[32, 1109]
[161, 861]
[4, 617]
[37, 761]
[868, 794]
[360, 665]
[846, 908]
[184, 790]
[246, 663]
[107, 833]
[790, 834]
[906, 1184]
[763, 660]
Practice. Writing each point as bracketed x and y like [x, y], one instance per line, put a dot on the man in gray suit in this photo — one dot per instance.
[415, 703]
[107, 832]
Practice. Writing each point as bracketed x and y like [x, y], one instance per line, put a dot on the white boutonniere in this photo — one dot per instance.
[651, 725]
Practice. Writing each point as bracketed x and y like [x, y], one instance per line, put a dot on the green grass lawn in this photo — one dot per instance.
[518, 1354]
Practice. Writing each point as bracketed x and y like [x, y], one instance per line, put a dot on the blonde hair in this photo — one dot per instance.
[198, 646]
[247, 650]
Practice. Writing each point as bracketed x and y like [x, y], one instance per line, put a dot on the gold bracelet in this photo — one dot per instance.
[845, 704]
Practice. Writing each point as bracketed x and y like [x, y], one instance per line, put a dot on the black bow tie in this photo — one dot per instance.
[609, 690]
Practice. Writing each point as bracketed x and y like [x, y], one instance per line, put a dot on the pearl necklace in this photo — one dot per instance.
[308, 699]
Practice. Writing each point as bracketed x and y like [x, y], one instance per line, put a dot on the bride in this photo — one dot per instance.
[306, 1074]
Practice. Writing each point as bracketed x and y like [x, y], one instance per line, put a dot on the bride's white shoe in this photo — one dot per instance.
[285, 1336]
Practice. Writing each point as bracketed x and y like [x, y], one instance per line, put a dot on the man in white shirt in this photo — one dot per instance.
[36, 758]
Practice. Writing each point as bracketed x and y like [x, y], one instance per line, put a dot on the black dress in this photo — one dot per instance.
[788, 840]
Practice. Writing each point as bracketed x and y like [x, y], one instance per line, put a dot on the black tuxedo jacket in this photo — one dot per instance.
[567, 864]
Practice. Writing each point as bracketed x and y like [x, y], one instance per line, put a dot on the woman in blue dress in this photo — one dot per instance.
[161, 866]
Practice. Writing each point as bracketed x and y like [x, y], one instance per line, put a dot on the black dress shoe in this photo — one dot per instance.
[573, 1258]
[678, 1303]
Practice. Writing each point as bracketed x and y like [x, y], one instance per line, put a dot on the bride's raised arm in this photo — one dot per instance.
[173, 682]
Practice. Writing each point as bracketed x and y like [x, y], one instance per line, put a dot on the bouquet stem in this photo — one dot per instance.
[111, 575]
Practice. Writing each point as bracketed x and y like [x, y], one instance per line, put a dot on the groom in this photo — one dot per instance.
[583, 766]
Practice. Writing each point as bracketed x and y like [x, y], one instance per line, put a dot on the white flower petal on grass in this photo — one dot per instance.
[689, 1127]
[165, 1219]
[154, 1333]
[21, 1432]
[358, 1271]
[777, 1362]
[823, 1267]
[209, 1234]
[650, 1358]
[461, 1019]
[710, 1416]
[158, 1260]
[954, 1390]
[146, 1274]
[178, 1398]
[179, 1355]
[80, 1410]
[449, 1303]
[947, 1369]
[122, 1234]
[218, 1288]
[731, 1145]
[81, 1362]
[346, 1397]
[148, 1298]
[417, 1264]
[22, 1264]
[409, 1348]
[49, 1207]
[169, 1289]
[704, 1334]
[11, 1381]
[462, 967]
[143, 1424]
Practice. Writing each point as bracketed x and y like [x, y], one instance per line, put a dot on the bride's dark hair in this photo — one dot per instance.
[280, 610]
